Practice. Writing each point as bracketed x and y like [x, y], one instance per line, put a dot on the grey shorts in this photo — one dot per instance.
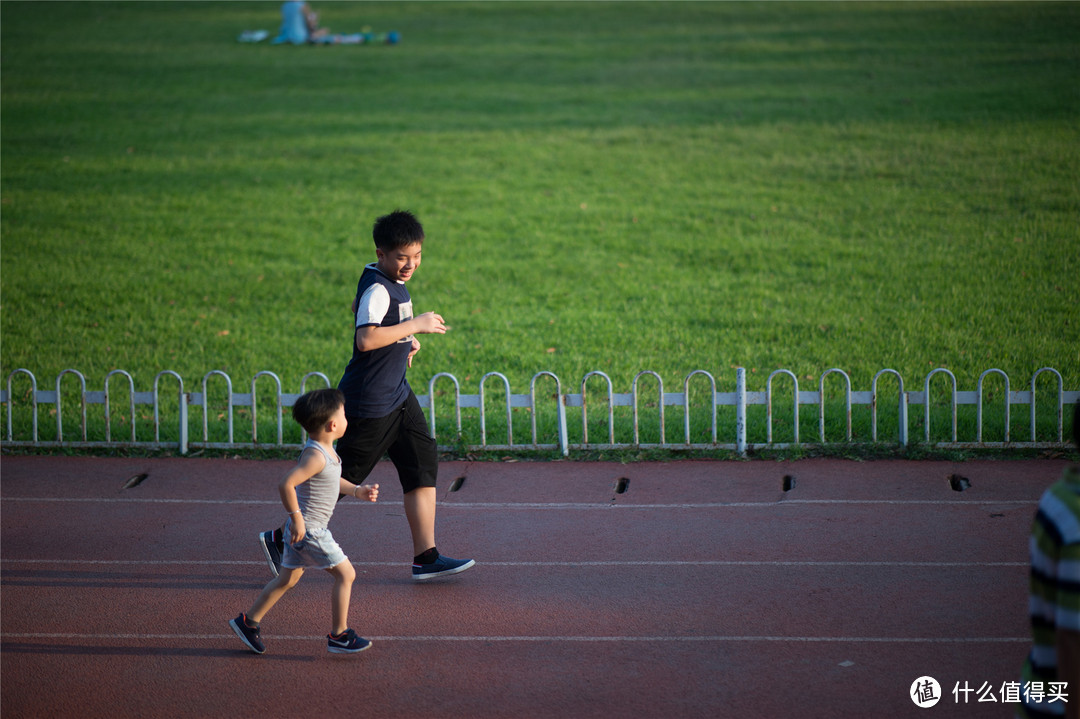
[317, 549]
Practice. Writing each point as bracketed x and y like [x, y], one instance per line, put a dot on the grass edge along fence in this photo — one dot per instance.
[641, 422]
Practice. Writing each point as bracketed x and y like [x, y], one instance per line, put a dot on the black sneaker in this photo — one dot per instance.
[347, 643]
[441, 567]
[272, 550]
[248, 635]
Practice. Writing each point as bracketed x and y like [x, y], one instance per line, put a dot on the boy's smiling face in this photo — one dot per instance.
[399, 264]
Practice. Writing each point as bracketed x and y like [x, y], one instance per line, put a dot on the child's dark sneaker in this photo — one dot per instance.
[272, 550]
[441, 567]
[248, 635]
[347, 642]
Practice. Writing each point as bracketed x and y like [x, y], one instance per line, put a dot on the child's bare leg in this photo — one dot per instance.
[274, 591]
[420, 511]
[344, 575]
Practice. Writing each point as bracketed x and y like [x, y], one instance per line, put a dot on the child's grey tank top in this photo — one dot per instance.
[318, 495]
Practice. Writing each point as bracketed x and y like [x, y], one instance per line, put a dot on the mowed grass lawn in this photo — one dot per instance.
[605, 186]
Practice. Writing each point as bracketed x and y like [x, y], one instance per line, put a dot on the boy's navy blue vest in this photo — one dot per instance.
[374, 382]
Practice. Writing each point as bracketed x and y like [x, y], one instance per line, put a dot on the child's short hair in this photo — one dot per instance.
[315, 408]
[398, 229]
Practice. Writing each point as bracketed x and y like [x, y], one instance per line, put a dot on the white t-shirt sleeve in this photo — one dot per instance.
[373, 306]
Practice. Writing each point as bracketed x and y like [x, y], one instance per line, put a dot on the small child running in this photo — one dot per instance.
[309, 492]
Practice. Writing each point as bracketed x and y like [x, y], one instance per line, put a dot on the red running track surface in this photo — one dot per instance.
[703, 590]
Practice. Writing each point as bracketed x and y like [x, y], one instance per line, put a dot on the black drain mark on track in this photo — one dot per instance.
[135, 481]
[455, 486]
[622, 484]
[958, 483]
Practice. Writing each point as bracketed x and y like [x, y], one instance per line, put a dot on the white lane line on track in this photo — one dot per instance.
[556, 505]
[8, 636]
[596, 563]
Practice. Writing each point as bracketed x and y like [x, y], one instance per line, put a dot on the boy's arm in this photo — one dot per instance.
[373, 337]
[370, 492]
[415, 349]
[310, 464]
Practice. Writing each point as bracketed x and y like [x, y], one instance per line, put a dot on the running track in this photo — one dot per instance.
[703, 590]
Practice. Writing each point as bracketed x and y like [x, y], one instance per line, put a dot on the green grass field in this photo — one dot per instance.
[605, 186]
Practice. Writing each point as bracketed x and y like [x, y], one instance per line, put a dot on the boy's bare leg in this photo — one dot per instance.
[420, 511]
[274, 591]
[344, 575]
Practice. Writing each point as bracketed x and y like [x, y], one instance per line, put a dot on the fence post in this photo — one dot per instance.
[560, 410]
[59, 409]
[254, 406]
[564, 437]
[660, 383]
[1061, 389]
[902, 432]
[585, 408]
[926, 401]
[457, 402]
[686, 404]
[821, 402]
[768, 405]
[903, 418]
[740, 411]
[33, 403]
[206, 404]
[185, 398]
[131, 396]
[509, 411]
[979, 405]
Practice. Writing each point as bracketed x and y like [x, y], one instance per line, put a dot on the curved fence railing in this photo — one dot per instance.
[634, 419]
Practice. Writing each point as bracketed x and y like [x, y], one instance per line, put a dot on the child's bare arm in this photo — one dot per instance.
[310, 464]
[370, 492]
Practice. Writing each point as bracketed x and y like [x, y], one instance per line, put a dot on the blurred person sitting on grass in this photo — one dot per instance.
[299, 24]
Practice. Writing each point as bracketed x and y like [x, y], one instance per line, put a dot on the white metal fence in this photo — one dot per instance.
[169, 384]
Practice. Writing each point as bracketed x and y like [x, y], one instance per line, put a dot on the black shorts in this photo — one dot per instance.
[403, 435]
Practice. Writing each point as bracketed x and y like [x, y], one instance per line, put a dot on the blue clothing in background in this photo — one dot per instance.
[293, 25]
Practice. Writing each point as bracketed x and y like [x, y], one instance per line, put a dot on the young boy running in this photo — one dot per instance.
[383, 412]
[309, 492]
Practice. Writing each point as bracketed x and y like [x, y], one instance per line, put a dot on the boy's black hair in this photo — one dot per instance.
[398, 229]
[315, 408]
